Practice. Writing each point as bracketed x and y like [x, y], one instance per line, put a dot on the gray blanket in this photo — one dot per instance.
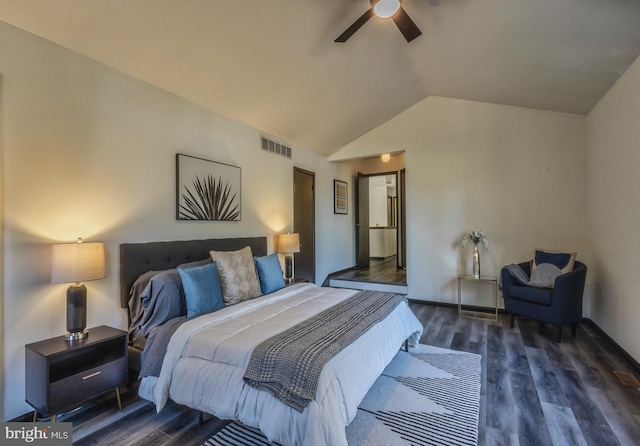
[543, 276]
[288, 365]
[156, 346]
[161, 299]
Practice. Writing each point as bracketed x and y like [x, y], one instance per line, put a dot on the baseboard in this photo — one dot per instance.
[25, 418]
[431, 302]
[351, 268]
[451, 305]
[631, 362]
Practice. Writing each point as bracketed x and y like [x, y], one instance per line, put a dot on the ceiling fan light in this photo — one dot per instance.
[386, 8]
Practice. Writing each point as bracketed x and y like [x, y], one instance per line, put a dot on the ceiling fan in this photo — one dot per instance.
[385, 9]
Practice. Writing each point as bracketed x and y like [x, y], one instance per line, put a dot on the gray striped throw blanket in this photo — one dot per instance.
[288, 364]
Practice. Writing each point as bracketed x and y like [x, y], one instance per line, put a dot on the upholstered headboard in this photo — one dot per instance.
[138, 258]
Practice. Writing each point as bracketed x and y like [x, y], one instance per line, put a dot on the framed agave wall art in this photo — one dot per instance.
[206, 190]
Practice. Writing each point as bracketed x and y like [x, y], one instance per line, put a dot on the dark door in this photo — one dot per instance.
[402, 233]
[362, 222]
[304, 223]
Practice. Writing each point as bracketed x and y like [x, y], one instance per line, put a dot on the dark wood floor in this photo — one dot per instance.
[537, 392]
[534, 391]
[379, 271]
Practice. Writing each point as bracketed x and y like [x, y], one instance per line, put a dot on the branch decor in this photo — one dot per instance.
[476, 236]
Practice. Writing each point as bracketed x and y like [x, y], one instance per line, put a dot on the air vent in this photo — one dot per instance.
[275, 147]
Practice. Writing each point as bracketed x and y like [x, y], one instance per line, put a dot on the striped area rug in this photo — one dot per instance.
[429, 396]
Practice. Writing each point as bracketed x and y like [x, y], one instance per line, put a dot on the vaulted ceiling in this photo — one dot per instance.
[274, 64]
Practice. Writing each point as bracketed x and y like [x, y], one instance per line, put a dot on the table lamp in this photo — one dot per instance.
[75, 263]
[289, 244]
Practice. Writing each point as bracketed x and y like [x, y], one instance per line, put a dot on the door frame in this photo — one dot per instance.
[362, 221]
[401, 242]
[296, 224]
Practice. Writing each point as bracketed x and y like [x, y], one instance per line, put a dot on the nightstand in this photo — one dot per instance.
[62, 375]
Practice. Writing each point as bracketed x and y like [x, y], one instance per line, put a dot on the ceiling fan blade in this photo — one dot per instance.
[406, 26]
[355, 27]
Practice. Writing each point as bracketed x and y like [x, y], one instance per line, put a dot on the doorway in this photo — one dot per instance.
[383, 216]
[380, 240]
[387, 272]
[304, 223]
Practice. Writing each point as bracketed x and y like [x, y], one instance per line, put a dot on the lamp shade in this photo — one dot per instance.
[77, 262]
[289, 243]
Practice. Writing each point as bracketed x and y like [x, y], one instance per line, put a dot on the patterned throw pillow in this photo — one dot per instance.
[237, 273]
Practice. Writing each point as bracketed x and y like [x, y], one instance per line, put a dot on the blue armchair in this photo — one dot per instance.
[560, 305]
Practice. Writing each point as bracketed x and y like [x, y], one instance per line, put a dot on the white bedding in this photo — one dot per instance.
[207, 356]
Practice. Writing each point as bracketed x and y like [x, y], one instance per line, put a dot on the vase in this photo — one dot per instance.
[476, 262]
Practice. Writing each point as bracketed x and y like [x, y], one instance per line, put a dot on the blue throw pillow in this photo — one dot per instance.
[562, 260]
[269, 273]
[202, 291]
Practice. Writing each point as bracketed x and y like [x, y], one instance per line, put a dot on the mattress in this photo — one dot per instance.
[206, 358]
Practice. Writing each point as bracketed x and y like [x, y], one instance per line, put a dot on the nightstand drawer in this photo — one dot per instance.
[89, 383]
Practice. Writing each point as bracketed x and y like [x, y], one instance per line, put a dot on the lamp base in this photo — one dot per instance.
[288, 268]
[76, 335]
[76, 312]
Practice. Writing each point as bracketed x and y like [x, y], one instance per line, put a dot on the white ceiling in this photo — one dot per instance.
[273, 64]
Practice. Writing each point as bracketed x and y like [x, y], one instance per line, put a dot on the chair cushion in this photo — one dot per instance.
[540, 296]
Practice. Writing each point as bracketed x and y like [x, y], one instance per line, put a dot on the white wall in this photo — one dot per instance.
[518, 174]
[613, 165]
[374, 164]
[90, 152]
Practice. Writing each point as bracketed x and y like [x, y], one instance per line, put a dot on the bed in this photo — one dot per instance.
[207, 358]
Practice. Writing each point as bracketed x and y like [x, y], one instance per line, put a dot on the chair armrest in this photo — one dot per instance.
[571, 282]
[568, 290]
[506, 281]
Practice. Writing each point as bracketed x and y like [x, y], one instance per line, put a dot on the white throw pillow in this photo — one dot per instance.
[544, 276]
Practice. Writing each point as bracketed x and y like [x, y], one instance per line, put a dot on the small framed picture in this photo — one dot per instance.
[340, 197]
